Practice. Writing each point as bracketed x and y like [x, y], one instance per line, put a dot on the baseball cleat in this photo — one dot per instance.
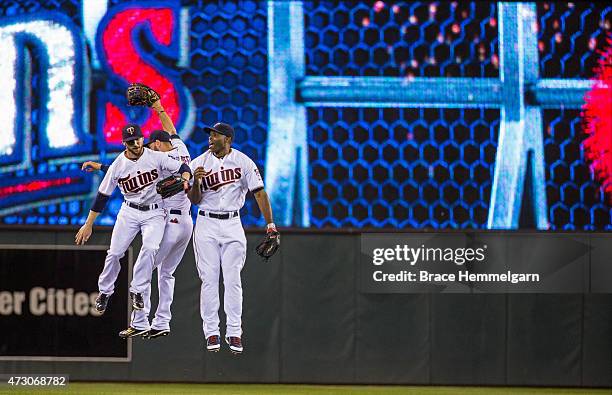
[137, 301]
[213, 343]
[131, 332]
[235, 344]
[153, 333]
[101, 302]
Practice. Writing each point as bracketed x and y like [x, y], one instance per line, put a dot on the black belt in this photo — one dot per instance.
[142, 208]
[218, 216]
[174, 211]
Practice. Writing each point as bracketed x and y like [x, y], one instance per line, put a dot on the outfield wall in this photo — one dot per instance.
[305, 321]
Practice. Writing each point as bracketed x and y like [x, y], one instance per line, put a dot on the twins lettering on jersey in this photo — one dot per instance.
[214, 181]
[139, 182]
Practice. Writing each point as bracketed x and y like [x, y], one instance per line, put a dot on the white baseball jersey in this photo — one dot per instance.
[180, 153]
[137, 178]
[226, 180]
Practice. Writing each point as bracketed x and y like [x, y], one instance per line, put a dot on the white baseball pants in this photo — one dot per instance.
[220, 246]
[129, 222]
[172, 248]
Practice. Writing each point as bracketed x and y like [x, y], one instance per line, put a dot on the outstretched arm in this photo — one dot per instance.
[166, 122]
[96, 208]
[85, 232]
[109, 183]
[90, 166]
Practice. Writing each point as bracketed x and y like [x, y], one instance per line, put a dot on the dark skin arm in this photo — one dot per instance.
[195, 194]
[264, 205]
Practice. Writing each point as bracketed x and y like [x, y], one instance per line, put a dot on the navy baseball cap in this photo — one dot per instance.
[160, 135]
[130, 132]
[221, 128]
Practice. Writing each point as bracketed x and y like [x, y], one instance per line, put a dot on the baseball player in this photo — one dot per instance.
[179, 226]
[222, 177]
[176, 237]
[135, 171]
[177, 233]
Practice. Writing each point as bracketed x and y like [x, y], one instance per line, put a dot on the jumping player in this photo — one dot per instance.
[222, 177]
[179, 226]
[135, 171]
[177, 233]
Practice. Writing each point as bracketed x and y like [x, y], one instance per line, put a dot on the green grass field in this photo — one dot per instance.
[266, 389]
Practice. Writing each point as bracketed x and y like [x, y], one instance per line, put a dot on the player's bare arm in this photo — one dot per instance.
[263, 201]
[90, 166]
[86, 230]
[166, 122]
[195, 193]
[268, 246]
[96, 208]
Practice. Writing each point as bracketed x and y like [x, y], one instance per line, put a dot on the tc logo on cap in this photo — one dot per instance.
[131, 131]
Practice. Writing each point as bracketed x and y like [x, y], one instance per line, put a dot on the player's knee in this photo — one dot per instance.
[166, 276]
[232, 282]
[149, 249]
[232, 274]
[115, 254]
[209, 282]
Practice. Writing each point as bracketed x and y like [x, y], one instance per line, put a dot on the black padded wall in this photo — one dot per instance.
[305, 321]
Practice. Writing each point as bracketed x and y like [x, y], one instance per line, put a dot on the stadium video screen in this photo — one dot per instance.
[406, 115]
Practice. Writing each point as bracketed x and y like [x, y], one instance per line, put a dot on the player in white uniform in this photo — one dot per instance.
[179, 226]
[177, 232]
[222, 177]
[136, 172]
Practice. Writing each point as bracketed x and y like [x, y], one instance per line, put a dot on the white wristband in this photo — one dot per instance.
[271, 226]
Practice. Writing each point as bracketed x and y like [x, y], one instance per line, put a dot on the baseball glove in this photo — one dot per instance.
[170, 186]
[269, 245]
[141, 95]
